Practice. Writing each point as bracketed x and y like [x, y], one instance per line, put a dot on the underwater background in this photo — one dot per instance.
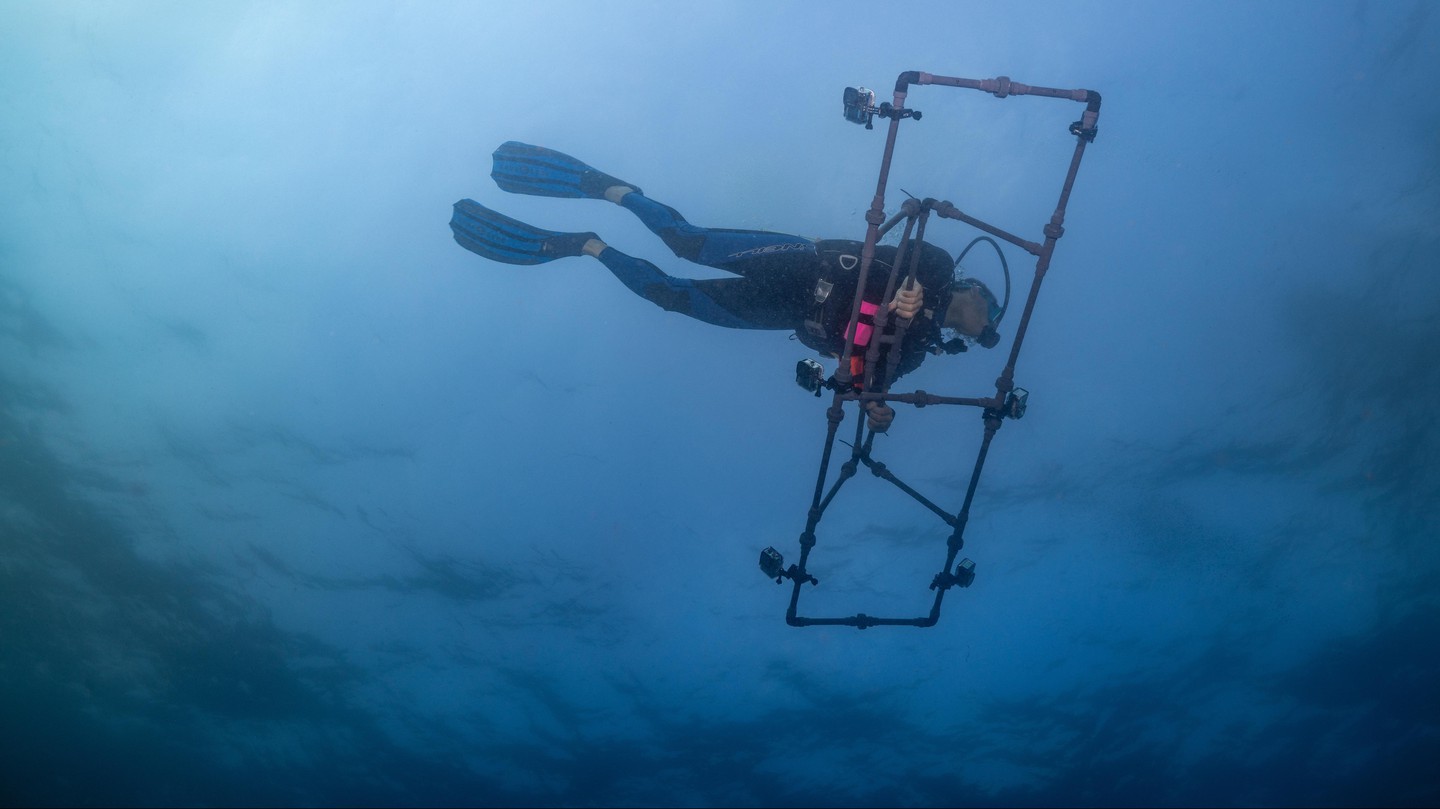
[302, 503]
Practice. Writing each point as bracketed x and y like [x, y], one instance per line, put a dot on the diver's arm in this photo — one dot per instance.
[906, 303]
[912, 353]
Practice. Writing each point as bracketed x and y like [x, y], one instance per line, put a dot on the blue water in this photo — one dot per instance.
[301, 503]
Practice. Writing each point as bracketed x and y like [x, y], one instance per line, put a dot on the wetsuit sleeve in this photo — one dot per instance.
[936, 272]
[911, 356]
[934, 275]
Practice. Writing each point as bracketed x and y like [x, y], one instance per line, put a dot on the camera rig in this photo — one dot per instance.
[860, 108]
[1008, 401]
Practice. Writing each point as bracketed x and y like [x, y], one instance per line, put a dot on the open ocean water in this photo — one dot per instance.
[303, 504]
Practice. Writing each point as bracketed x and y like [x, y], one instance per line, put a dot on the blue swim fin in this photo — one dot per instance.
[500, 238]
[524, 169]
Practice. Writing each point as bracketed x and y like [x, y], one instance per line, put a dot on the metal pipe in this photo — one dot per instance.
[949, 211]
[874, 218]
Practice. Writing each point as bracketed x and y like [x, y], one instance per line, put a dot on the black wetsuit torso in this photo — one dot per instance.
[934, 272]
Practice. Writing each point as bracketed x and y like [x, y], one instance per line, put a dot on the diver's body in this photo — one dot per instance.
[782, 279]
[779, 274]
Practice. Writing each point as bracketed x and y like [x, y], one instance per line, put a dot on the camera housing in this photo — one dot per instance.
[810, 375]
[965, 573]
[860, 105]
[772, 564]
[1016, 403]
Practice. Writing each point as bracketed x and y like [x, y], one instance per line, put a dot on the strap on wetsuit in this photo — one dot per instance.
[824, 285]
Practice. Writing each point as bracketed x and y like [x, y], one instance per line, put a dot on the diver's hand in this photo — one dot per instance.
[907, 301]
[880, 415]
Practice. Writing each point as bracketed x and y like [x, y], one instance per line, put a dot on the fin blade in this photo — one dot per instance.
[524, 169]
[497, 237]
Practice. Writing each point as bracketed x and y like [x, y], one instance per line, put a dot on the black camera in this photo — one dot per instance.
[860, 105]
[772, 564]
[1016, 402]
[965, 573]
[860, 108]
[810, 375]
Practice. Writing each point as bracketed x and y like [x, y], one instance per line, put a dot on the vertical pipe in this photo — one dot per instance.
[882, 316]
[1053, 231]
[874, 218]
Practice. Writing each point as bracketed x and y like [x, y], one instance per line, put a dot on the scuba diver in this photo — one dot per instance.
[785, 282]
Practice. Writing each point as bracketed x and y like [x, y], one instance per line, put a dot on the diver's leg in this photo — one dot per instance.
[735, 303]
[521, 168]
[726, 249]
